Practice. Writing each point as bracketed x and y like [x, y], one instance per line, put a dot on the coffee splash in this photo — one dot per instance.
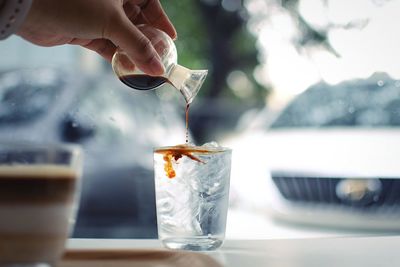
[174, 153]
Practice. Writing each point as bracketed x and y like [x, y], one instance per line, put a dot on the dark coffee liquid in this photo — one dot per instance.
[187, 123]
[143, 82]
[25, 188]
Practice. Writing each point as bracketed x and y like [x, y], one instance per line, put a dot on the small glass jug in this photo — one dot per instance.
[187, 81]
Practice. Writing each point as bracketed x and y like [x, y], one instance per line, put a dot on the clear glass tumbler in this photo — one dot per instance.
[39, 186]
[192, 193]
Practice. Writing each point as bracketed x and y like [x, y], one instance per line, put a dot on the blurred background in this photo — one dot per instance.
[307, 93]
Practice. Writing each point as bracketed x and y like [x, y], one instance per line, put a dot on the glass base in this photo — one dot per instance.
[193, 243]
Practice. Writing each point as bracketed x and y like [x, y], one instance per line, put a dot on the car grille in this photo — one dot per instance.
[323, 190]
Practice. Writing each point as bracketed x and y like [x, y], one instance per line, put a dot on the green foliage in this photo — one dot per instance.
[194, 41]
[192, 38]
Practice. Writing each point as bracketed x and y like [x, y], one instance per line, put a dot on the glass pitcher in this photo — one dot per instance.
[187, 81]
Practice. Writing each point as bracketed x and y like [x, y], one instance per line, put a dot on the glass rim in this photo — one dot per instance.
[27, 144]
[219, 149]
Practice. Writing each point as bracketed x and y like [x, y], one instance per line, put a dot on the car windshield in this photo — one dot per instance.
[373, 102]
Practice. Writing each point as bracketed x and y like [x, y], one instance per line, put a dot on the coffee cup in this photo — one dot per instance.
[39, 190]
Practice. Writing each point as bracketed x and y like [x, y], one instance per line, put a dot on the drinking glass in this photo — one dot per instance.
[192, 193]
[39, 190]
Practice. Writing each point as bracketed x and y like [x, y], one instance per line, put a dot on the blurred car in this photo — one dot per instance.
[330, 158]
[117, 129]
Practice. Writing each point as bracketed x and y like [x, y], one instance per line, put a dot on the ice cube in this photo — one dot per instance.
[212, 144]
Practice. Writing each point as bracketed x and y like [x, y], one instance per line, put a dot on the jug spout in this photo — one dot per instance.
[187, 81]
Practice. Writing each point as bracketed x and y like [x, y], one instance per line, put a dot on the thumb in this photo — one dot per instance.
[130, 39]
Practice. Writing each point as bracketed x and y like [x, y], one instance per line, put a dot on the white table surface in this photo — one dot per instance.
[340, 251]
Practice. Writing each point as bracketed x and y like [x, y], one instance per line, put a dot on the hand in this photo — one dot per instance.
[99, 25]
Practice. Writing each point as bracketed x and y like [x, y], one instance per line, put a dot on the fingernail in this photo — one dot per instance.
[174, 35]
[156, 67]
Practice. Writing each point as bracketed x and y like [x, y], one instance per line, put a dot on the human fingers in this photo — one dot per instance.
[103, 47]
[132, 10]
[156, 16]
[134, 13]
[124, 34]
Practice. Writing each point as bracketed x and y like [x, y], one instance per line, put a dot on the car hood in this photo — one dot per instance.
[339, 151]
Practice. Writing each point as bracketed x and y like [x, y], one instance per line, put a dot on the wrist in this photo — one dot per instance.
[12, 15]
